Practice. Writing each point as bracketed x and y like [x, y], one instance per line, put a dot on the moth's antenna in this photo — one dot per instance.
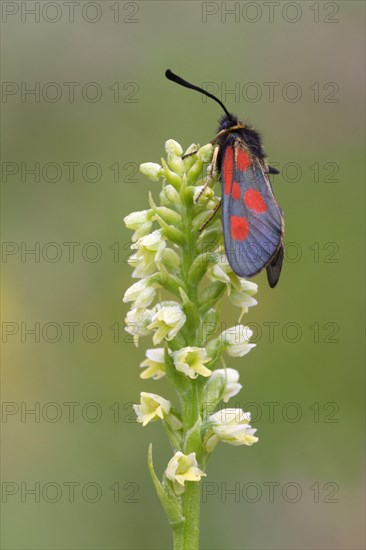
[178, 80]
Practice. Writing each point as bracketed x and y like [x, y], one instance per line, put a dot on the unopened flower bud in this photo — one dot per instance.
[205, 153]
[172, 147]
[151, 170]
[169, 196]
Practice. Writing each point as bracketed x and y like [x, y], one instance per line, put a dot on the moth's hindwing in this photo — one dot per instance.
[252, 219]
[274, 267]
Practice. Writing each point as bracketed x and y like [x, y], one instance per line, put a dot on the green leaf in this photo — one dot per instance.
[201, 219]
[195, 172]
[172, 233]
[170, 216]
[177, 378]
[175, 438]
[193, 317]
[187, 195]
[210, 295]
[193, 442]
[170, 282]
[210, 237]
[199, 267]
[167, 214]
[176, 163]
[170, 504]
[171, 177]
[210, 323]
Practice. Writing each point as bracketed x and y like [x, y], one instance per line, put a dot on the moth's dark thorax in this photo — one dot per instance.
[253, 141]
[250, 139]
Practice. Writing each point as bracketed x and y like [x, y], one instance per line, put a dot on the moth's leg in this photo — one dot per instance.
[213, 166]
[189, 154]
[272, 170]
[212, 215]
[212, 171]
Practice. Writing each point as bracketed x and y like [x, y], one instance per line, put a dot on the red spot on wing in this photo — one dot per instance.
[239, 228]
[228, 169]
[242, 159]
[254, 200]
[235, 192]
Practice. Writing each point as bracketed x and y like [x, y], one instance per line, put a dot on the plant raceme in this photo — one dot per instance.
[182, 276]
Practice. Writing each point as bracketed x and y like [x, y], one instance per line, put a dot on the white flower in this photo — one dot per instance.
[152, 170]
[217, 272]
[221, 271]
[248, 286]
[168, 320]
[137, 321]
[182, 468]
[141, 222]
[191, 361]
[149, 252]
[243, 297]
[236, 339]
[230, 379]
[155, 364]
[240, 291]
[141, 293]
[229, 426]
[152, 407]
[172, 147]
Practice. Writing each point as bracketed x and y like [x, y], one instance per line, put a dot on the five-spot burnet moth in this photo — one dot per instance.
[252, 221]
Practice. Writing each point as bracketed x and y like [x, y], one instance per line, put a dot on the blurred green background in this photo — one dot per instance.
[81, 452]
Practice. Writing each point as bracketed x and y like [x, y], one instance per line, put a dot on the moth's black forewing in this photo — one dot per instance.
[251, 141]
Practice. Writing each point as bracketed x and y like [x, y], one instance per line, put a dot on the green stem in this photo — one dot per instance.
[191, 512]
[178, 537]
[191, 406]
[191, 495]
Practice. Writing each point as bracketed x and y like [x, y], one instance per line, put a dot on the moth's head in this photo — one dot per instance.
[228, 121]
